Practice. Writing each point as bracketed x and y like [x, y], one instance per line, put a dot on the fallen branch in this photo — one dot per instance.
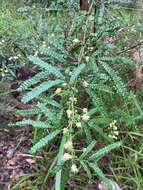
[131, 47]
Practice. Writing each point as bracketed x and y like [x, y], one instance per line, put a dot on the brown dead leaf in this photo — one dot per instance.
[103, 186]
[30, 161]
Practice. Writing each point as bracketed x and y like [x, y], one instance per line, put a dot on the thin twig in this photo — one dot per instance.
[129, 48]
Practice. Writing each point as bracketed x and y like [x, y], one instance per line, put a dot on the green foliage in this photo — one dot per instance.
[88, 150]
[51, 69]
[105, 151]
[76, 72]
[34, 80]
[50, 101]
[51, 53]
[86, 168]
[44, 141]
[117, 80]
[35, 124]
[35, 92]
[78, 94]
[100, 174]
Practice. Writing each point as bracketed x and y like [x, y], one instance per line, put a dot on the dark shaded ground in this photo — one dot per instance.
[14, 160]
[14, 142]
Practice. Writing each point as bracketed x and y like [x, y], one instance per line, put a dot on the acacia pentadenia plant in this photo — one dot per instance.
[74, 83]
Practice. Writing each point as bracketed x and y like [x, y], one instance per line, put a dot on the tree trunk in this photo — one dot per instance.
[84, 5]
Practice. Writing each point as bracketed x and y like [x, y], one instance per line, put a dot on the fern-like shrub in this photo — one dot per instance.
[73, 89]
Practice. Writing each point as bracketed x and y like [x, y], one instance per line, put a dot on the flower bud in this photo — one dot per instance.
[74, 169]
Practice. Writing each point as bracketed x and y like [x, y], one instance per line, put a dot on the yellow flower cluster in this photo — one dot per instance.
[58, 91]
[76, 40]
[85, 84]
[68, 145]
[2, 42]
[67, 157]
[69, 113]
[74, 169]
[114, 134]
[85, 116]
[14, 57]
[3, 72]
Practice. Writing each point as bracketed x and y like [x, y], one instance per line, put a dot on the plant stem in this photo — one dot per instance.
[36, 130]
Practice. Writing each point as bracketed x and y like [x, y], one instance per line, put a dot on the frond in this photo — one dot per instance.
[51, 69]
[26, 112]
[86, 168]
[35, 92]
[100, 174]
[35, 124]
[88, 150]
[34, 80]
[97, 102]
[117, 80]
[49, 101]
[53, 54]
[103, 151]
[49, 113]
[76, 72]
[57, 43]
[44, 141]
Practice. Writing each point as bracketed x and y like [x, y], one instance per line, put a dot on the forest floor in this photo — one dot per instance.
[14, 160]
[14, 144]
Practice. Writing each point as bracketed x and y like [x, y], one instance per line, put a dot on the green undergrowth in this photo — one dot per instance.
[86, 121]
